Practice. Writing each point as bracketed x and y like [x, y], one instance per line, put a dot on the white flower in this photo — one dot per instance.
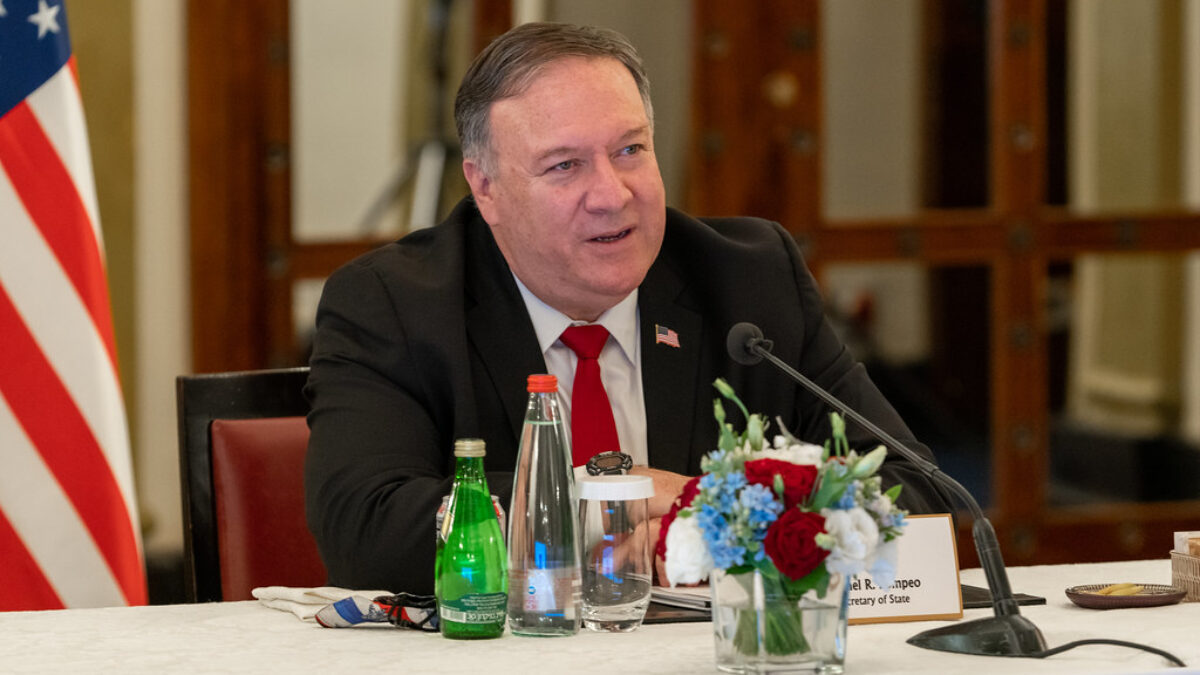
[880, 505]
[797, 453]
[855, 536]
[883, 568]
[688, 560]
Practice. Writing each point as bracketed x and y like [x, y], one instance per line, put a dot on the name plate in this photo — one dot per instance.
[926, 585]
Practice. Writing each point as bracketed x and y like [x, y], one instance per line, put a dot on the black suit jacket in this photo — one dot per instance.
[427, 340]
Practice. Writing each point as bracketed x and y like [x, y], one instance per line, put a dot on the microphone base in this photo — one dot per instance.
[1009, 635]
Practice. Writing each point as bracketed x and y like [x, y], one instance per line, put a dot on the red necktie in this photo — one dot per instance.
[592, 427]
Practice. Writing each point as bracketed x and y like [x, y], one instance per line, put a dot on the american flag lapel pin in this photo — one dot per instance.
[665, 336]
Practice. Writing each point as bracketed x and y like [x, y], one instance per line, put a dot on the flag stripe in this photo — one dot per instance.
[44, 409]
[58, 108]
[53, 312]
[48, 194]
[33, 591]
[69, 531]
[48, 531]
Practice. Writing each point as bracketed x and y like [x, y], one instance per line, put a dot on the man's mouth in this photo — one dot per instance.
[604, 239]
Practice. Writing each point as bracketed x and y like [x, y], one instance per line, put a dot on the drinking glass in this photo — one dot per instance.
[616, 550]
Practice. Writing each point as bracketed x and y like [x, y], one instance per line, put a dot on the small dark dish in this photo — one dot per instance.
[1151, 595]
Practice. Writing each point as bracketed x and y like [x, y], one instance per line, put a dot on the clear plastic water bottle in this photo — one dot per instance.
[543, 544]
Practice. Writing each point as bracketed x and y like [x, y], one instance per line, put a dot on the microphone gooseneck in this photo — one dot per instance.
[1005, 634]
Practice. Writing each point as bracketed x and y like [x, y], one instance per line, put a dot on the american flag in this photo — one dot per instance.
[68, 521]
[665, 336]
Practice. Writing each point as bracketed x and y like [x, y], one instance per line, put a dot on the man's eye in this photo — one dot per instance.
[632, 149]
[564, 166]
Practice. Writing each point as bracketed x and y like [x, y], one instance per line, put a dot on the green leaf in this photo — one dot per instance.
[829, 490]
[817, 580]
[778, 485]
[728, 440]
[893, 492]
[740, 569]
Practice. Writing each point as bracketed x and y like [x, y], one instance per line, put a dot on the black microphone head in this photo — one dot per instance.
[740, 342]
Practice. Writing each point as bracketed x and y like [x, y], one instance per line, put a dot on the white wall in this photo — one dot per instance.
[349, 78]
[1191, 198]
[1131, 351]
[161, 259]
[662, 33]
[872, 80]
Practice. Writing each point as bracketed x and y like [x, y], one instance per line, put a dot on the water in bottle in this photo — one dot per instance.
[543, 545]
[472, 579]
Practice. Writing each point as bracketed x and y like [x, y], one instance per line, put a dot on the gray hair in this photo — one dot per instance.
[507, 66]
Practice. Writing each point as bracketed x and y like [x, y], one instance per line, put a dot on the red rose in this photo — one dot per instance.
[798, 479]
[690, 490]
[791, 542]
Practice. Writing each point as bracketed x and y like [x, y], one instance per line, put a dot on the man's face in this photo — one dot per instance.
[574, 198]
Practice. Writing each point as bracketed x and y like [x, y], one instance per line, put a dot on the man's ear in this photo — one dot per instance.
[481, 188]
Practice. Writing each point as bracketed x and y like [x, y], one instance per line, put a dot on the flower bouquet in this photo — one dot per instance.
[782, 527]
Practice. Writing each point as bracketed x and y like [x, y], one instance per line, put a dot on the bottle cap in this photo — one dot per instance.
[543, 383]
[469, 447]
[616, 488]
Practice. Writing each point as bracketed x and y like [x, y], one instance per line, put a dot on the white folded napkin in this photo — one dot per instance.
[306, 602]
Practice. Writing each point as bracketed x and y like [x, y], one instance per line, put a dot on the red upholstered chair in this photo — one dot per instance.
[242, 445]
[258, 490]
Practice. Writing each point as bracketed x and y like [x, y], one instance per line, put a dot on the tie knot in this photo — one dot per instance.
[585, 341]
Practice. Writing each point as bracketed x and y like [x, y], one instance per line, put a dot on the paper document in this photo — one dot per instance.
[695, 597]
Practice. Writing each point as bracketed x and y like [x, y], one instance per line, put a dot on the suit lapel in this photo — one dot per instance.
[508, 347]
[669, 373]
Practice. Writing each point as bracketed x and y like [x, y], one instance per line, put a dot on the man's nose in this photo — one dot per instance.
[607, 190]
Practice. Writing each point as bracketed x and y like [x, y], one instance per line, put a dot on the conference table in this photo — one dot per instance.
[232, 637]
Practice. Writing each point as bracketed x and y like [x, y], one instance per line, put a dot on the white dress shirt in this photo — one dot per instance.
[620, 364]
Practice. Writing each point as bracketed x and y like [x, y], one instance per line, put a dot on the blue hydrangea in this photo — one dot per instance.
[719, 537]
[761, 507]
[893, 519]
[848, 500]
[721, 490]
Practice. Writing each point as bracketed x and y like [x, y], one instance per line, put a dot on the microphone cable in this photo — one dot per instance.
[1104, 641]
[746, 345]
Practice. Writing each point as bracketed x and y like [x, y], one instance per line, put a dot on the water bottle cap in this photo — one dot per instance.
[469, 447]
[541, 384]
[616, 488]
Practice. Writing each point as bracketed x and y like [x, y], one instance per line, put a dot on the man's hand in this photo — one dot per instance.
[667, 486]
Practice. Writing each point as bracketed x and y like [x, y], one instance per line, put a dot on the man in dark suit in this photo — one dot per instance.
[431, 338]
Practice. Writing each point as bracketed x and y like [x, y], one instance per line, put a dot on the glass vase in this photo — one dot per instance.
[758, 628]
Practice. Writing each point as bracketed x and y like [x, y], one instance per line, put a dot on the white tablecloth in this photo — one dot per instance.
[246, 637]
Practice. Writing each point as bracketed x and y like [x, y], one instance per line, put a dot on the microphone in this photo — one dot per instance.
[1005, 634]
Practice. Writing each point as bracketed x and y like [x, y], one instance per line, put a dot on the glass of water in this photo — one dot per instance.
[616, 551]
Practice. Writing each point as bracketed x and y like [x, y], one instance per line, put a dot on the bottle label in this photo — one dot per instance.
[547, 590]
[476, 608]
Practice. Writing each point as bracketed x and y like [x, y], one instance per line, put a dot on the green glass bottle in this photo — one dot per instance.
[472, 569]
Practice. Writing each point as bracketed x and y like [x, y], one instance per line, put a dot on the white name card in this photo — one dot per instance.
[926, 585]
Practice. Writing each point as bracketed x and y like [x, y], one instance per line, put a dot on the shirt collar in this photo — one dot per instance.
[620, 320]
